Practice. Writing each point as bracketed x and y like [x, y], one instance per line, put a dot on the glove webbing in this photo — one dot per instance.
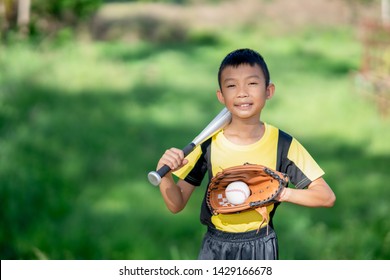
[263, 210]
[256, 205]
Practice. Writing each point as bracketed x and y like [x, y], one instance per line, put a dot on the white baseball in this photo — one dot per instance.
[237, 192]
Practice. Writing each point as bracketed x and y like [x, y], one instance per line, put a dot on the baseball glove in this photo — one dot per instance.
[264, 183]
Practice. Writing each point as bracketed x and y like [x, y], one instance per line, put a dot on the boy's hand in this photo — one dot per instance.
[283, 195]
[174, 158]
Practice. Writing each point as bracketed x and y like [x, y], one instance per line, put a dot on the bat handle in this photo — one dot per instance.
[155, 176]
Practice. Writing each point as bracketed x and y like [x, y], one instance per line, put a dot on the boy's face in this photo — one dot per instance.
[243, 90]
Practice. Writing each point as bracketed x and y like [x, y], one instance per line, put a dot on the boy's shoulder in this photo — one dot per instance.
[278, 133]
[275, 128]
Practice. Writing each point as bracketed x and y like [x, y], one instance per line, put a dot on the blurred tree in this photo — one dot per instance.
[7, 16]
[386, 11]
[28, 17]
[23, 20]
[385, 8]
[2, 17]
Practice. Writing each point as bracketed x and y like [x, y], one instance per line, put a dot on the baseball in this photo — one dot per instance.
[237, 192]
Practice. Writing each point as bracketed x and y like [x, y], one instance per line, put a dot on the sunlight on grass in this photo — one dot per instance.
[82, 124]
[128, 197]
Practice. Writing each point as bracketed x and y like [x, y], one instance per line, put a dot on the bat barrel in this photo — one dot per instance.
[217, 123]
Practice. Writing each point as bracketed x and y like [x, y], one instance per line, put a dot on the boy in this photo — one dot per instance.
[244, 88]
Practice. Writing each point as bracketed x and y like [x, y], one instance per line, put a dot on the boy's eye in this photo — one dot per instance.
[253, 83]
[230, 86]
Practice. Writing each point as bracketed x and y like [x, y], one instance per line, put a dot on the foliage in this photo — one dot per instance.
[49, 17]
[166, 1]
[62, 8]
[83, 123]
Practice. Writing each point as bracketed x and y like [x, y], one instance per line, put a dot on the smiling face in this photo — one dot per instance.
[244, 91]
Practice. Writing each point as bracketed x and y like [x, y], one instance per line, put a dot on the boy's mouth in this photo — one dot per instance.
[243, 105]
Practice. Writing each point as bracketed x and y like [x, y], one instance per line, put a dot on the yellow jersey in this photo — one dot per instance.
[276, 149]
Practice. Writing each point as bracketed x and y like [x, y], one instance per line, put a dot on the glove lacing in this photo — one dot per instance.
[264, 213]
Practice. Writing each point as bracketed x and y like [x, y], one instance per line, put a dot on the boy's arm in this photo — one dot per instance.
[175, 195]
[317, 194]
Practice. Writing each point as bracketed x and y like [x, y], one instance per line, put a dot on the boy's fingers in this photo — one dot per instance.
[177, 152]
[173, 157]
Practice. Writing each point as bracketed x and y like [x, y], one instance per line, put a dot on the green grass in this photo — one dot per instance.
[82, 124]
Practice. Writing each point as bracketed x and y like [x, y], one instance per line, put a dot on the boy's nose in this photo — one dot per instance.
[242, 92]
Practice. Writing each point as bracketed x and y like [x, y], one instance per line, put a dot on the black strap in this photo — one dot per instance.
[284, 142]
[206, 151]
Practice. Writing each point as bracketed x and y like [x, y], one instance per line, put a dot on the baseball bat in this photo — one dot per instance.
[221, 120]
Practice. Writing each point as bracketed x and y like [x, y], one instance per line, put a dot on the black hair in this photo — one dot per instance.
[244, 56]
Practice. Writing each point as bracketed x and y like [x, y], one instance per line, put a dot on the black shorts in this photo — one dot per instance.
[252, 245]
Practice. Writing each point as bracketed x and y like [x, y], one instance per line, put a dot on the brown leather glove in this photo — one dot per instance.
[264, 183]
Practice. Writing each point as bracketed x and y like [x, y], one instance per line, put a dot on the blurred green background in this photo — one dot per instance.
[93, 92]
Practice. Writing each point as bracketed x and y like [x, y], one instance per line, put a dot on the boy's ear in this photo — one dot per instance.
[270, 90]
[220, 97]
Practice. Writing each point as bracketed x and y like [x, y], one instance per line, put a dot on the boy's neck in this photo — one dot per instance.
[243, 132]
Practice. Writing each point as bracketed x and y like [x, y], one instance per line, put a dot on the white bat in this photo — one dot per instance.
[220, 121]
